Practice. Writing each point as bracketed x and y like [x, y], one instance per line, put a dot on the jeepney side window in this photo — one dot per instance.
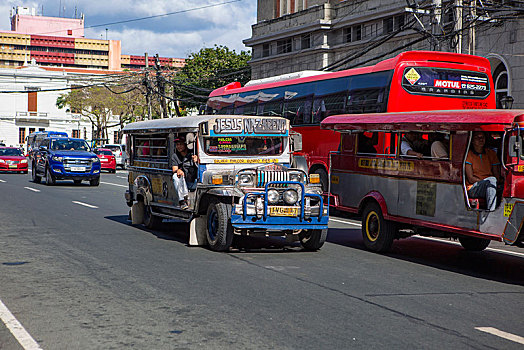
[152, 148]
[347, 143]
[378, 143]
[439, 145]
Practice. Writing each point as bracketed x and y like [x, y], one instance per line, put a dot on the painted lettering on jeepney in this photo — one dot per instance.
[250, 126]
[244, 161]
[426, 198]
[335, 179]
[386, 164]
[156, 184]
[508, 207]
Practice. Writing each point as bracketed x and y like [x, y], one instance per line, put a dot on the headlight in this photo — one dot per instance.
[295, 177]
[23, 161]
[95, 160]
[58, 159]
[245, 180]
[2, 161]
[273, 196]
[290, 196]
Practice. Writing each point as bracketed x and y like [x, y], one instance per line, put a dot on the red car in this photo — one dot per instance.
[107, 159]
[12, 160]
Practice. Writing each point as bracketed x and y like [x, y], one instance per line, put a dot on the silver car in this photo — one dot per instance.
[119, 151]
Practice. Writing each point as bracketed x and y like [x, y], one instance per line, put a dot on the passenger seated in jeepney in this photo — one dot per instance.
[439, 145]
[482, 171]
[410, 144]
[185, 171]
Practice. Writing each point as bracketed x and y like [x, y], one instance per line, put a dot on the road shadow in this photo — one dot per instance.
[489, 265]
[179, 232]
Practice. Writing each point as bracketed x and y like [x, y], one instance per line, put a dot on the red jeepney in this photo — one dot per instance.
[401, 195]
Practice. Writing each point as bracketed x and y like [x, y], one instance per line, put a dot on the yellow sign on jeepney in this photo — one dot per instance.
[508, 207]
[386, 164]
[244, 161]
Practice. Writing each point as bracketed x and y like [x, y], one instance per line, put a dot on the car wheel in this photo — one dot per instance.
[95, 181]
[474, 244]
[219, 228]
[50, 180]
[312, 239]
[35, 177]
[378, 234]
[77, 182]
[151, 221]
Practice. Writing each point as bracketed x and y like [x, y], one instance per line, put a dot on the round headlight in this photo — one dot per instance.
[245, 179]
[273, 196]
[290, 196]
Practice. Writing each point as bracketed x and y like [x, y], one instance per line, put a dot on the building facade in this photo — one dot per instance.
[297, 35]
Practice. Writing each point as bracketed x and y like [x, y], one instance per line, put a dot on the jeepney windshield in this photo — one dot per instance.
[244, 146]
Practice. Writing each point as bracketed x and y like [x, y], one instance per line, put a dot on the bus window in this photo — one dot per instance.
[298, 111]
[247, 109]
[328, 105]
[273, 108]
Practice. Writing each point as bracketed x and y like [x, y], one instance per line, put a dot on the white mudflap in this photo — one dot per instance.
[198, 231]
[137, 213]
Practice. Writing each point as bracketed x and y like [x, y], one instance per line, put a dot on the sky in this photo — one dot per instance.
[175, 35]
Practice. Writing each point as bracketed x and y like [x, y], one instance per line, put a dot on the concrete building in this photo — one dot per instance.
[60, 42]
[296, 35]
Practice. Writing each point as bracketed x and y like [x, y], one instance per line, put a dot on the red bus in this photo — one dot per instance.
[398, 195]
[411, 81]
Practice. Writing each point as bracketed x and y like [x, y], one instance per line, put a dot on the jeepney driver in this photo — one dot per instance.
[184, 171]
[482, 171]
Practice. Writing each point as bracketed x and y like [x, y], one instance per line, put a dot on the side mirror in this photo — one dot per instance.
[296, 141]
[515, 146]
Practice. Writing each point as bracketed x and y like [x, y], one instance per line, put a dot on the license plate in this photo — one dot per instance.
[13, 166]
[283, 211]
[508, 207]
[78, 168]
[104, 160]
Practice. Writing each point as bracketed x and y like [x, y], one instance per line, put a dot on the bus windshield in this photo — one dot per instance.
[69, 145]
[243, 146]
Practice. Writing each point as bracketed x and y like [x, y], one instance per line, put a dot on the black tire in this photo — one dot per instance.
[77, 182]
[378, 234]
[312, 239]
[35, 177]
[219, 228]
[474, 244]
[95, 181]
[49, 178]
[151, 221]
[324, 180]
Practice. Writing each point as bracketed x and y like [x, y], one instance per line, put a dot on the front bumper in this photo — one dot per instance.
[83, 173]
[13, 167]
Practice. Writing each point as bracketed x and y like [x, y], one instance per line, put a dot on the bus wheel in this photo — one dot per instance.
[151, 221]
[219, 229]
[474, 244]
[378, 234]
[312, 239]
[323, 178]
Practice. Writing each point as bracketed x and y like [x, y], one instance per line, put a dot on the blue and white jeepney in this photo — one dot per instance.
[245, 184]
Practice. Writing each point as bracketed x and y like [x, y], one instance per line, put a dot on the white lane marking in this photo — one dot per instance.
[502, 334]
[345, 222]
[86, 205]
[122, 177]
[109, 183]
[32, 189]
[2, 181]
[16, 328]
[436, 239]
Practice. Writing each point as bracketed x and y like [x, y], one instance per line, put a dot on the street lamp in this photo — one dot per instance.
[506, 102]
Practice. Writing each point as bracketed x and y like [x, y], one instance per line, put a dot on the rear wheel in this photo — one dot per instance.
[474, 244]
[219, 228]
[36, 178]
[151, 221]
[377, 233]
[49, 178]
[312, 239]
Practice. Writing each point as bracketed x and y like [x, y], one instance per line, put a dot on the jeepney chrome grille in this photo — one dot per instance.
[265, 176]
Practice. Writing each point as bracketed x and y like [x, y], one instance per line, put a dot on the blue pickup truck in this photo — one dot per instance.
[65, 158]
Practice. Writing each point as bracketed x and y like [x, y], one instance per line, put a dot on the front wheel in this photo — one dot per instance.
[474, 244]
[312, 239]
[77, 182]
[377, 233]
[49, 178]
[36, 178]
[95, 181]
[219, 228]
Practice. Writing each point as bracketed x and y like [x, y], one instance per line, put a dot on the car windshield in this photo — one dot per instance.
[112, 148]
[10, 152]
[70, 145]
[244, 146]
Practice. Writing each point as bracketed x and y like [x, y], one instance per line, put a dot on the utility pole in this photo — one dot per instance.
[436, 24]
[473, 18]
[458, 25]
[161, 87]
[148, 88]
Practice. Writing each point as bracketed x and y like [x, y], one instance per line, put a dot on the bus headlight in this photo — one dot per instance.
[273, 196]
[290, 196]
[245, 180]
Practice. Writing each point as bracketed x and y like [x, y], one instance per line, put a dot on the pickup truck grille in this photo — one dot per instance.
[265, 176]
[77, 162]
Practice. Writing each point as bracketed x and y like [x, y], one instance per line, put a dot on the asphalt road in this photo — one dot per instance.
[77, 275]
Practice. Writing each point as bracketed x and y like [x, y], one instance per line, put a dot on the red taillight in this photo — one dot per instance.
[120, 154]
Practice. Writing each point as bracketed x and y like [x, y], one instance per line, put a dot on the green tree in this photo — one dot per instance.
[208, 69]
